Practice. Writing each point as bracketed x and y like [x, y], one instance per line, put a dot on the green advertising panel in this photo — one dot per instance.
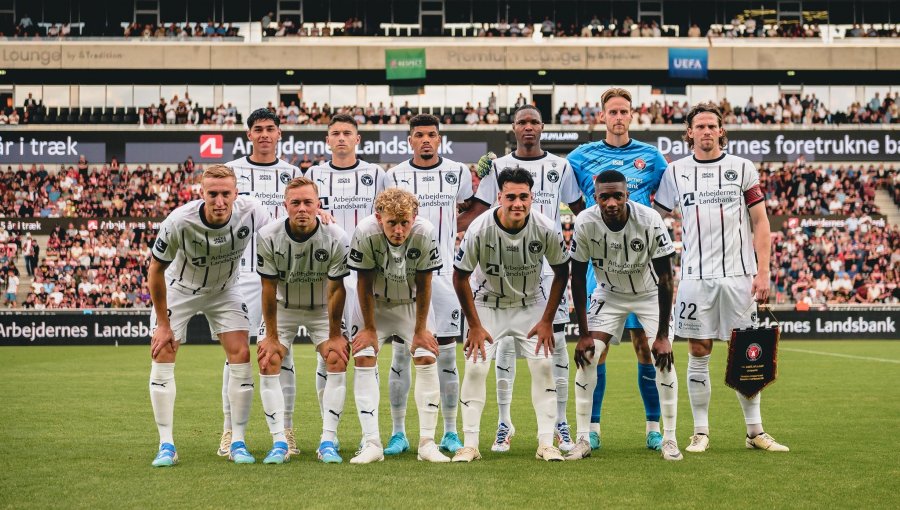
[404, 64]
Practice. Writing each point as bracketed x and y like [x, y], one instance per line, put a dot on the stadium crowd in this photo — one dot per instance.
[806, 258]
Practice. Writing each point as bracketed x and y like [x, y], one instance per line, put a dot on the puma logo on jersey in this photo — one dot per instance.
[279, 254]
[405, 181]
[196, 242]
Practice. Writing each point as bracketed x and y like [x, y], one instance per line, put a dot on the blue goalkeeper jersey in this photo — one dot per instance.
[641, 163]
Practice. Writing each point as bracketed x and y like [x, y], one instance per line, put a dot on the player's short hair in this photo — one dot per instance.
[424, 119]
[299, 182]
[397, 202]
[262, 114]
[345, 118]
[218, 172]
[517, 175]
[615, 92]
[525, 107]
[703, 107]
[609, 176]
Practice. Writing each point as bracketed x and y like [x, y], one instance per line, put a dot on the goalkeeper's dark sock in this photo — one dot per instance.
[649, 393]
[599, 391]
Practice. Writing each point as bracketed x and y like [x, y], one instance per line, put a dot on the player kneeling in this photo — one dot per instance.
[302, 263]
[630, 250]
[394, 254]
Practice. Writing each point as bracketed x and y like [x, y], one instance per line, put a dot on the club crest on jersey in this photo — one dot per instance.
[451, 178]
[244, 307]
[243, 232]
[754, 351]
[637, 245]
[259, 260]
[640, 164]
[731, 175]
[285, 178]
[413, 253]
[454, 315]
[535, 246]
[552, 176]
[366, 180]
[321, 255]
[161, 245]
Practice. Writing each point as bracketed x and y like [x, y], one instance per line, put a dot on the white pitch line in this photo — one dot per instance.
[867, 358]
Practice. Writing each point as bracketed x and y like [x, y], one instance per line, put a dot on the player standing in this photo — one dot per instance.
[347, 189]
[440, 185]
[629, 246]
[554, 184]
[725, 262]
[643, 166]
[395, 253]
[303, 263]
[505, 248]
[262, 176]
[195, 268]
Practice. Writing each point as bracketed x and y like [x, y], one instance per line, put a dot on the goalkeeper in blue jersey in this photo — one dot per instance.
[643, 166]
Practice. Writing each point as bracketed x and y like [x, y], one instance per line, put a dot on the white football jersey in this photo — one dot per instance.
[554, 183]
[348, 193]
[302, 265]
[395, 266]
[264, 182]
[202, 257]
[439, 189]
[714, 197]
[622, 259]
[507, 266]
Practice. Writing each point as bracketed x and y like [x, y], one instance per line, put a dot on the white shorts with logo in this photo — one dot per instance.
[225, 311]
[562, 312]
[609, 311]
[445, 306]
[514, 323]
[397, 320]
[712, 308]
[315, 322]
[250, 285]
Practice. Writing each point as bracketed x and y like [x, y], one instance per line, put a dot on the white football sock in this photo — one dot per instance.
[288, 379]
[472, 395]
[448, 375]
[399, 382]
[162, 397]
[561, 375]
[585, 384]
[367, 395]
[543, 397]
[273, 404]
[321, 381]
[226, 405]
[428, 397]
[699, 391]
[752, 413]
[667, 386]
[505, 370]
[240, 393]
[333, 403]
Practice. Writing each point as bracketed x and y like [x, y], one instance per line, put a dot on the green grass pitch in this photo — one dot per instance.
[77, 432]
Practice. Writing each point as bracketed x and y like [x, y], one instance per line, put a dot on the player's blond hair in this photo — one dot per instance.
[615, 92]
[704, 107]
[218, 172]
[397, 202]
[299, 182]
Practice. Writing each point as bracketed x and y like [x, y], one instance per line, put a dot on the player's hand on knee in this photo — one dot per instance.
[584, 346]
[336, 350]
[365, 338]
[163, 338]
[269, 352]
[424, 339]
[475, 343]
[661, 350]
[544, 332]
